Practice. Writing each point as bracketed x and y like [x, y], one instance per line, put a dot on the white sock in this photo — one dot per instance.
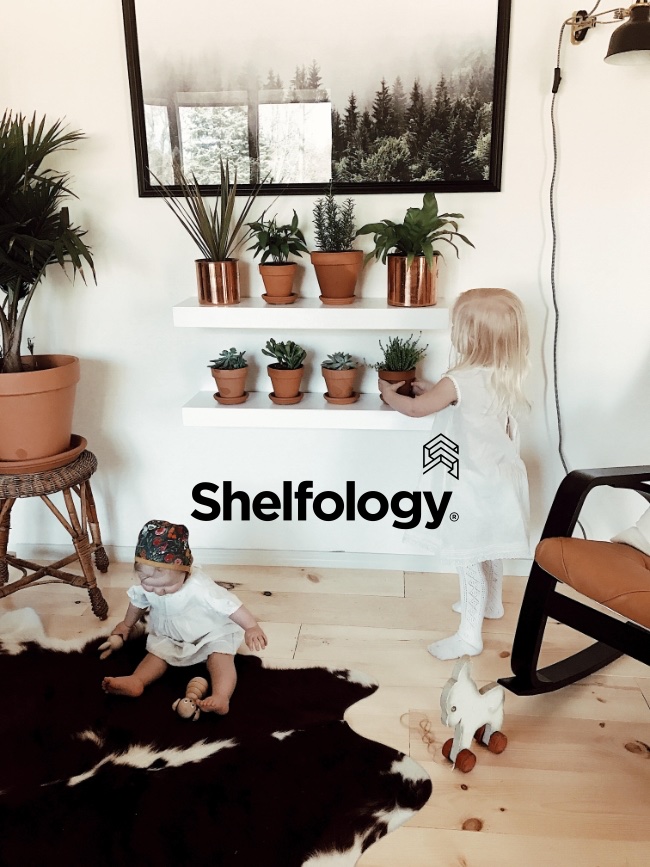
[494, 605]
[473, 598]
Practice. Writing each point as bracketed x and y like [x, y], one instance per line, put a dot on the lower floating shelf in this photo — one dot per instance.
[313, 411]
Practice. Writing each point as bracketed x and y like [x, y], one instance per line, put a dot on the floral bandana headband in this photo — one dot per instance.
[164, 545]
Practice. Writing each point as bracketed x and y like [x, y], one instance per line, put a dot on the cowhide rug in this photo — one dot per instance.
[92, 779]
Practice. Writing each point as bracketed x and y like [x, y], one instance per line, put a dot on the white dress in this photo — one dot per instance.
[488, 512]
[187, 626]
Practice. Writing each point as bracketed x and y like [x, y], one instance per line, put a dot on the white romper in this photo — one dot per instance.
[490, 497]
[187, 626]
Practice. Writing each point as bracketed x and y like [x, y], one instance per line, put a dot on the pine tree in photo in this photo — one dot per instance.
[400, 103]
[389, 162]
[339, 139]
[382, 112]
[417, 125]
[211, 134]
[273, 81]
[313, 76]
[351, 118]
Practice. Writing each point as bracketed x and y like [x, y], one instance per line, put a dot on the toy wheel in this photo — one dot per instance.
[478, 734]
[446, 748]
[498, 742]
[465, 761]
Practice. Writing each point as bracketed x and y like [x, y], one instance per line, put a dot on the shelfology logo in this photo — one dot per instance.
[408, 508]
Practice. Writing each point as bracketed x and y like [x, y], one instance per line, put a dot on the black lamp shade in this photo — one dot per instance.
[630, 43]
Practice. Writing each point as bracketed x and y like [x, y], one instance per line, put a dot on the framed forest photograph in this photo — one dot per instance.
[374, 98]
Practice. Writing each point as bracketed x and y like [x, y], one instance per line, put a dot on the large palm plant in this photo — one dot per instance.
[35, 227]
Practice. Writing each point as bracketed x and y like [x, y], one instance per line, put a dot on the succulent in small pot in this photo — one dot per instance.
[340, 371]
[287, 370]
[401, 357]
[411, 250]
[276, 243]
[336, 264]
[229, 371]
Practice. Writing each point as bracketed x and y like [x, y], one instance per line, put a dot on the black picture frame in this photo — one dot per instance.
[351, 154]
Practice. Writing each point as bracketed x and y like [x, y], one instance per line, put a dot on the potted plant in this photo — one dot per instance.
[401, 356]
[340, 371]
[36, 392]
[413, 266]
[277, 243]
[336, 264]
[287, 370]
[215, 231]
[229, 371]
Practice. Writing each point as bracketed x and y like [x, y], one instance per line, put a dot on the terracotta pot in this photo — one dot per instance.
[337, 274]
[397, 376]
[286, 383]
[278, 279]
[218, 282]
[36, 408]
[340, 383]
[230, 383]
[411, 287]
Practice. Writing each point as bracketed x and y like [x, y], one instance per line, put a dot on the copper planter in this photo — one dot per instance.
[411, 287]
[218, 282]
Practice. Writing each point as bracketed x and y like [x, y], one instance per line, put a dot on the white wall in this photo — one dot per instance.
[67, 58]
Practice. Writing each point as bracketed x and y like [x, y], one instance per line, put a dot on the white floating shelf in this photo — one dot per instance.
[363, 314]
[313, 411]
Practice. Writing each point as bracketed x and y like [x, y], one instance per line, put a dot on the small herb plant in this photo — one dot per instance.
[340, 361]
[229, 359]
[423, 228]
[334, 224]
[288, 355]
[401, 353]
[277, 242]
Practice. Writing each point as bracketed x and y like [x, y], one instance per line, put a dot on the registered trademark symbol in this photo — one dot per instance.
[453, 516]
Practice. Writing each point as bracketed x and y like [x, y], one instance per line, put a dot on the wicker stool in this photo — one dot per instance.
[73, 477]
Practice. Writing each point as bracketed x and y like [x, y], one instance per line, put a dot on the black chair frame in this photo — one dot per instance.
[613, 637]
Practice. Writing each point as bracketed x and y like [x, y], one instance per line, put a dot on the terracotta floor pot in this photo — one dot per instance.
[397, 376]
[217, 282]
[340, 383]
[36, 408]
[286, 383]
[278, 279]
[411, 287]
[230, 383]
[337, 273]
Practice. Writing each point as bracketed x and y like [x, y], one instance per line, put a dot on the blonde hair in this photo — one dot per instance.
[489, 329]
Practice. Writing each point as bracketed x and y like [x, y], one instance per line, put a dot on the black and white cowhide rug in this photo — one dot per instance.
[93, 779]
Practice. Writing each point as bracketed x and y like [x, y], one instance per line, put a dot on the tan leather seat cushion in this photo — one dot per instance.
[613, 574]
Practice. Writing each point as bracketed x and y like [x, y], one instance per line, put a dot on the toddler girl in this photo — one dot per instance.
[474, 405]
[191, 619]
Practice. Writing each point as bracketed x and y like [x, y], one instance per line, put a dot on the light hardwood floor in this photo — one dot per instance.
[573, 786]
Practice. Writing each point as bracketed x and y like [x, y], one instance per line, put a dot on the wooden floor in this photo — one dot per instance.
[573, 786]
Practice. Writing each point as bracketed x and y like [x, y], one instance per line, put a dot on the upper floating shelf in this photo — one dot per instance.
[362, 314]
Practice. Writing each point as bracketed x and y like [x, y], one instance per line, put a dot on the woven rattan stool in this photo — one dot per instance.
[74, 477]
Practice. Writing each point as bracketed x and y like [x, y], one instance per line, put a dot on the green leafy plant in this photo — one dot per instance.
[420, 233]
[229, 359]
[401, 353]
[35, 227]
[334, 224]
[214, 230]
[340, 361]
[289, 355]
[277, 242]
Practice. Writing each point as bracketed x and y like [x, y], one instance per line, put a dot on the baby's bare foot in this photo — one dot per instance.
[130, 686]
[215, 704]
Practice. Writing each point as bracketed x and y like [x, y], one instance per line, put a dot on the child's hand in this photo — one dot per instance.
[388, 387]
[419, 386]
[255, 638]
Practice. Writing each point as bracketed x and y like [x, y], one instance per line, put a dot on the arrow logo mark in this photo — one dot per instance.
[441, 450]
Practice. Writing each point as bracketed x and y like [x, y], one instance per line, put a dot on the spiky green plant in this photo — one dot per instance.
[418, 235]
[340, 361]
[229, 359]
[334, 224]
[214, 230]
[401, 353]
[289, 355]
[35, 227]
[277, 242]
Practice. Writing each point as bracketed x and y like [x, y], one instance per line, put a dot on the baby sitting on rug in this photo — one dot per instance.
[191, 619]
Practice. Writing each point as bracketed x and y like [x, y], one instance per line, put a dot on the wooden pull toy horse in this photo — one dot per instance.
[474, 713]
[195, 691]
